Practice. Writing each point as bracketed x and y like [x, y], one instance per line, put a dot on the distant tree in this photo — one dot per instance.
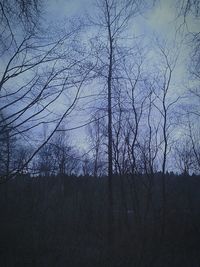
[193, 134]
[87, 166]
[46, 161]
[67, 161]
[61, 147]
[184, 156]
[97, 141]
[7, 144]
[21, 155]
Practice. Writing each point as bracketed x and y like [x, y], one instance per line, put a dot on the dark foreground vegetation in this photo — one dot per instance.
[63, 221]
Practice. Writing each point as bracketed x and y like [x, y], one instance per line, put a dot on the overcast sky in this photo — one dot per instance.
[160, 21]
[157, 22]
[161, 18]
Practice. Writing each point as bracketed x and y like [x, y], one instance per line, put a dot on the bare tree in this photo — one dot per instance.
[194, 139]
[187, 9]
[165, 105]
[67, 159]
[184, 156]
[38, 72]
[97, 142]
[112, 19]
[19, 14]
[46, 161]
[6, 149]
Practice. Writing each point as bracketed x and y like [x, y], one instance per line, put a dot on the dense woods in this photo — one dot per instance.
[62, 221]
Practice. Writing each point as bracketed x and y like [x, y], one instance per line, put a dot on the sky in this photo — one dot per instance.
[159, 22]
[156, 23]
[161, 18]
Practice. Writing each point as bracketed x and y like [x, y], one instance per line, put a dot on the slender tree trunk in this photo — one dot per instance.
[110, 137]
[8, 154]
[163, 172]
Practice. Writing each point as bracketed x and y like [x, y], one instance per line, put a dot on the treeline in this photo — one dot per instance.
[132, 154]
[63, 221]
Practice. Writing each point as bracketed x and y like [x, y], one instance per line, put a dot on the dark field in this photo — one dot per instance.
[64, 221]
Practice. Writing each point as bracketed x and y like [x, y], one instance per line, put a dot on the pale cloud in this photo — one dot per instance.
[161, 19]
[58, 9]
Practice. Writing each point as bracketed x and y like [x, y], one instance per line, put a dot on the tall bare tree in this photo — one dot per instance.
[113, 18]
[165, 105]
